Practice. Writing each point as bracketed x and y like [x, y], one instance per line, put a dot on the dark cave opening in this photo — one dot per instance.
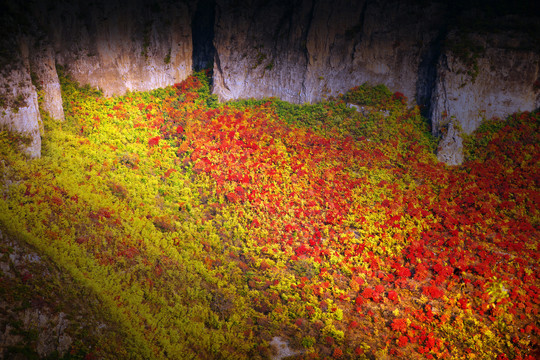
[427, 74]
[203, 35]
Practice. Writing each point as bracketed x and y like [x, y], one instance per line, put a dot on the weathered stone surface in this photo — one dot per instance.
[450, 150]
[497, 80]
[375, 42]
[45, 78]
[118, 46]
[38, 327]
[305, 51]
[19, 110]
[113, 45]
[300, 51]
[260, 49]
[504, 83]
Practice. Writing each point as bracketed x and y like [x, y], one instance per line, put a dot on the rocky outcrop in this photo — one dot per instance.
[450, 149]
[305, 51]
[112, 45]
[42, 67]
[260, 49]
[19, 111]
[119, 46]
[457, 62]
[500, 78]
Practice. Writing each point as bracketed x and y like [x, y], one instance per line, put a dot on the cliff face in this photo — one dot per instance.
[19, 110]
[322, 47]
[260, 49]
[502, 78]
[113, 45]
[460, 64]
[42, 67]
[118, 46]
[305, 51]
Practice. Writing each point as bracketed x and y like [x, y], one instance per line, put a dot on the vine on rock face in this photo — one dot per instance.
[209, 230]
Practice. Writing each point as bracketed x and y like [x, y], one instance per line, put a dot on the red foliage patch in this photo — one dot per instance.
[154, 141]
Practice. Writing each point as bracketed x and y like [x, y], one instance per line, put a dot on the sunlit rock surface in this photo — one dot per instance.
[45, 79]
[431, 52]
[112, 45]
[120, 46]
[19, 110]
[499, 81]
[450, 149]
[309, 50]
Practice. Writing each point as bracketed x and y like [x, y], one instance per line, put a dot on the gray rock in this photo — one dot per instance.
[503, 84]
[120, 46]
[43, 69]
[309, 50]
[19, 110]
[302, 51]
[450, 150]
[282, 349]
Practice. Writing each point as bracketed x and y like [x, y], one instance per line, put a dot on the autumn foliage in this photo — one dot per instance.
[210, 228]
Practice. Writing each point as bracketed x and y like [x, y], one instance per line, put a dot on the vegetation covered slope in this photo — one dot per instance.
[206, 229]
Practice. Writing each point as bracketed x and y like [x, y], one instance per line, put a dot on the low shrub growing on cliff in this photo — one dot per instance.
[366, 94]
[207, 231]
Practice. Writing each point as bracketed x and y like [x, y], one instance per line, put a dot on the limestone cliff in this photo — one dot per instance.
[305, 51]
[501, 78]
[462, 61]
[19, 110]
[118, 46]
[260, 49]
[42, 67]
[114, 45]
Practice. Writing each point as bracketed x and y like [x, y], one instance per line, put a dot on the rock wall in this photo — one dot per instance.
[305, 51]
[457, 61]
[112, 45]
[260, 49]
[501, 79]
[42, 67]
[19, 110]
[120, 46]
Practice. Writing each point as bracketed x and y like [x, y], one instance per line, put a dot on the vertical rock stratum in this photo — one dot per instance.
[305, 51]
[19, 110]
[497, 75]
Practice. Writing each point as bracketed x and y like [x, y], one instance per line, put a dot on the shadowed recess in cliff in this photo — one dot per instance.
[202, 25]
[427, 72]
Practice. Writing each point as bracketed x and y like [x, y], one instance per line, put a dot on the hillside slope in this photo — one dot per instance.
[206, 230]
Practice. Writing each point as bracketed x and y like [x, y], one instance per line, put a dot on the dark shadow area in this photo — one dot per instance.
[427, 74]
[203, 35]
